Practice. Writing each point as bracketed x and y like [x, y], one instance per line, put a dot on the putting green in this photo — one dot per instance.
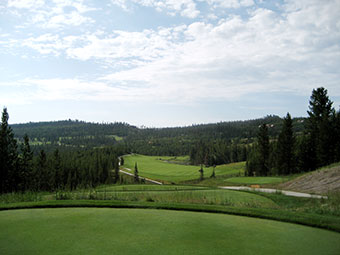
[142, 231]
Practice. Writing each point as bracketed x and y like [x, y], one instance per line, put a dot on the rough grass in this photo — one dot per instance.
[190, 196]
[152, 187]
[256, 180]
[164, 169]
[135, 231]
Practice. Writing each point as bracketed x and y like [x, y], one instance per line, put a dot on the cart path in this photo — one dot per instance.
[141, 178]
[285, 192]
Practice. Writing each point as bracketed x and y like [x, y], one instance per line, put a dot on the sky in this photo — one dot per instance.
[167, 62]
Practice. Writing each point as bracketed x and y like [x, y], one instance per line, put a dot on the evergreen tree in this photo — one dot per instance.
[116, 171]
[306, 154]
[9, 176]
[285, 148]
[263, 150]
[201, 173]
[213, 172]
[319, 126]
[337, 137]
[42, 181]
[57, 169]
[136, 177]
[26, 164]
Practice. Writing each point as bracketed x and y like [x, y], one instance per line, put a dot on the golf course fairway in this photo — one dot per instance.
[146, 231]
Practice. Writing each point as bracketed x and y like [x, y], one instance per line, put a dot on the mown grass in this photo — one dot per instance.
[165, 169]
[135, 231]
[309, 219]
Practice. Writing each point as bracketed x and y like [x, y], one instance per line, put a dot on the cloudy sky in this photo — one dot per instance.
[166, 62]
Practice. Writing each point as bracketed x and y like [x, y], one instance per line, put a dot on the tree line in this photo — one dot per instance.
[218, 152]
[317, 146]
[21, 170]
[70, 135]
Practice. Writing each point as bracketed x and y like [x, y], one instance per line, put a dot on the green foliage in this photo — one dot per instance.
[16, 197]
[136, 176]
[258, 160]
[317, 146]
[201, 173]
[9, 161]
[320, 127]
[285, 161]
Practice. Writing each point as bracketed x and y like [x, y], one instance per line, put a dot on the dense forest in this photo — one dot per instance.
[21, 170]
[68, 135]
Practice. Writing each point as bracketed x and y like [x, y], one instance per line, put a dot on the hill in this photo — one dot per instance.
[150, 141]
[320, 181]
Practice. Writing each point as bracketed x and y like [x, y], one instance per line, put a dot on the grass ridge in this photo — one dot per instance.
[307, 219]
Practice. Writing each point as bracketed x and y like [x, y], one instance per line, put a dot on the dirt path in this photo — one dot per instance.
[285, 192]
[141, 178]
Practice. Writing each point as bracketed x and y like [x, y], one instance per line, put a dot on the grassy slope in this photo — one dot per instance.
[256, 180]
[133, 231]
[156, 167]
[309, 219]
[146, 187]
[177, 194]
[320, 181]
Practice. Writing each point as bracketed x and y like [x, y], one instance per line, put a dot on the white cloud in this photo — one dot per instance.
[146, 45]
[25, 4]
[74, 90]
[52, 14]
[267, 52]
[263, 52]
[46, 44]
[229, 3]
[186, 8]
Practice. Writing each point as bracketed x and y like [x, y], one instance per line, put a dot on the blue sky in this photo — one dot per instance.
[167, 62]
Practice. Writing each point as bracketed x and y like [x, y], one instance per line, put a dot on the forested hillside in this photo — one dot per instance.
[150, 141]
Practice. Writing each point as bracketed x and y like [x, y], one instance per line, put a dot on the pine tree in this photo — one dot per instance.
[319, 126]
[285, 148]
[263, 150]
[9, 163]
[116, 171]
[26, 164]
[201, 173]
[213, 172]
[42, 179]
[136, 177]
[57, 169]
[306, 154]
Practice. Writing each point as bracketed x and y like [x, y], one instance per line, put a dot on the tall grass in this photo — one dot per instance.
[20, 197]
[211, 197]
